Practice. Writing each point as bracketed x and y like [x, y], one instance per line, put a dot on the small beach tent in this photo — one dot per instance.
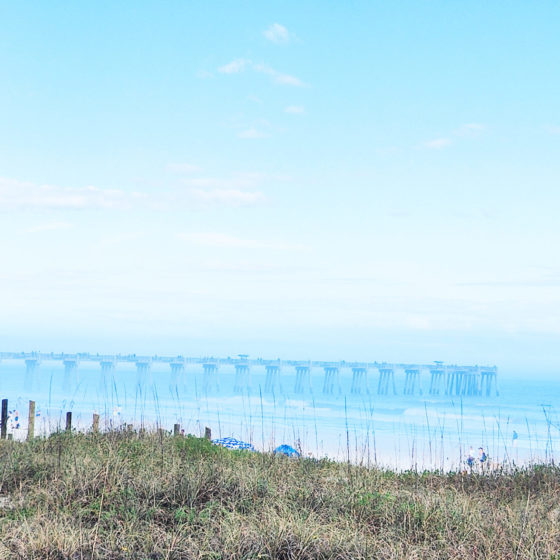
[232, 443]
[286, 450]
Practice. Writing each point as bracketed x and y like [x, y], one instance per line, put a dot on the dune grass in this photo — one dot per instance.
[151, 495]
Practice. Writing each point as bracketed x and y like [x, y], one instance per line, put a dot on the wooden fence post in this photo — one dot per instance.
[207, 433]
[31, 421]
[68, 421]
[4, 419]
[95, 425]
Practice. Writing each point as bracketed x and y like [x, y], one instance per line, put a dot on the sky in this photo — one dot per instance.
[353, 180]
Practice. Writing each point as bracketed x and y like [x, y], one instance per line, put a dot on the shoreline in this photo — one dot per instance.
[374, 460]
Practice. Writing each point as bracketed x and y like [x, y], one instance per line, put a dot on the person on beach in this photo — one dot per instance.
[514, 441]
[482, 457]
[470, 458]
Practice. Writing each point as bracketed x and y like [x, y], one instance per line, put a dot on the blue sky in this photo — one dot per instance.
[364, 180]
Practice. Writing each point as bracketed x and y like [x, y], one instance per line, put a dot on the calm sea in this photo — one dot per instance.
[520, 425]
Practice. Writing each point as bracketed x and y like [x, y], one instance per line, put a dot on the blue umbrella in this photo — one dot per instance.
[232, 443]
[286, 450]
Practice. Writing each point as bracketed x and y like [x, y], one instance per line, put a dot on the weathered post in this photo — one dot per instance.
[95, 424]
[68, 421]
[4, 419]
[31, 421]
[176, 429]
[207, 433]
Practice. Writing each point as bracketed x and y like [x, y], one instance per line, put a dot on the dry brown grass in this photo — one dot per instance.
[127, 495]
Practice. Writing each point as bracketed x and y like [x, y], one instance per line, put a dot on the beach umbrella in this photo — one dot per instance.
[232, 443]
[286, 450]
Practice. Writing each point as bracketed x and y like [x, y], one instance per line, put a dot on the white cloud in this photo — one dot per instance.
[437, 143]
[235, 66]
[26, 195]
[245, 180]
[465, 130]
[239, 189]
[278, 77]
[474, 126]
[553, 129]
[221, 240]
[226, 197]
[183, 168]
[277, 34]
[50, 226]
[294, 110]
[120, 238]
[470, 129]
[287, 80]
[240, 64]
[251, 134]
[215, 239]
[204, 74]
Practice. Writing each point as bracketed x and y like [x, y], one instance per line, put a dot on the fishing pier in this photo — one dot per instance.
[383, 378]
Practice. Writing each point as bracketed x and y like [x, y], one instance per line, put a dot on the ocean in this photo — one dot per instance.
[516, 427]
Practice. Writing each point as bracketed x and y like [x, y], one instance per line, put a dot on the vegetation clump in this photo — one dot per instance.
[136, 495]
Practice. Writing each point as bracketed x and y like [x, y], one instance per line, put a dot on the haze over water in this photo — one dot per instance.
[403, 431]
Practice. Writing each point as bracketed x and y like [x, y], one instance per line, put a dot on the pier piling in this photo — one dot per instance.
[412, 381]
[242, 380]
[210, 376]
[386, 379]
[303, 379]
[331, 379]
[359, 380]
[272, 378]
[436, 381]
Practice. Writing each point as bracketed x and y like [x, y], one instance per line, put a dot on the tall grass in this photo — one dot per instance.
[152, 496]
